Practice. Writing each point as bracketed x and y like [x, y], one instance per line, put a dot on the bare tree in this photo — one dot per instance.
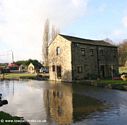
[46, 35]
[122, 52]
[54, 32]
[108, 41]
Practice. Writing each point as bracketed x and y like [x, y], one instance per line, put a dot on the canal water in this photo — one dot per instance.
[44, 103]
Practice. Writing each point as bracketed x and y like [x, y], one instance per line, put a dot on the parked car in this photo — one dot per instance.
[4, 70]
[44, 70]
[124, 76]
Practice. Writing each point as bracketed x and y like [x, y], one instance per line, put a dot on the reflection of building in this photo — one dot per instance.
[64, 106]
[72, 58]
[59, 105]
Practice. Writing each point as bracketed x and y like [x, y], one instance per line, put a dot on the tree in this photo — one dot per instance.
[54, 33]
[21, 62]
[27, 62]
[122, 52]
[45, 42]
[48, 37]
[108, 40]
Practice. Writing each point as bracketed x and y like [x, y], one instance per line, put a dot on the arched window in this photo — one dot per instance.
[57, 50]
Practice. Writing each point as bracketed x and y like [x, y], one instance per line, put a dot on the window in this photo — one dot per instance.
[59, 71]
[79, 69]
[53, 68]
[91, 52]
[57, 50]
[114, 53]
[83, 51]
[102, 52]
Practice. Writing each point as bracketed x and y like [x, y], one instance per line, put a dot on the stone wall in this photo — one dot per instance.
[98, 61]
[87, 61]
[63, 59]
[81, 61]
[109, 59]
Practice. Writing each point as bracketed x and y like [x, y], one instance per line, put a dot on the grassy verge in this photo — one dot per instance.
[112, 84]
[18, 76]
[7, 119]
[112, 81]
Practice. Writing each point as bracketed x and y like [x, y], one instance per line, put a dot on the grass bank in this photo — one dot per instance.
[15, 76]
[7, 119]
[111, 84]
[11, 76]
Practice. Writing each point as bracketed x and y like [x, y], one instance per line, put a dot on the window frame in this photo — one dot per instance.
[101, 52]
[91, 52]
[83, 51]
[79, 69]
[58, 51]
[114, 53]
[53, 68]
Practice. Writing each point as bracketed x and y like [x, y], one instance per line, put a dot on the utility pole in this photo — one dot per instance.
[12, 55]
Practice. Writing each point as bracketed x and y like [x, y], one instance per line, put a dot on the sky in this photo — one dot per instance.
[22, 23]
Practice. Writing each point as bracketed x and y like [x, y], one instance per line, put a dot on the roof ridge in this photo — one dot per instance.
[79, 37]
[87, 41]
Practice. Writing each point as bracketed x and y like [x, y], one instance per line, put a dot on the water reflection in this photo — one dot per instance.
[58, 103]
[64, 104]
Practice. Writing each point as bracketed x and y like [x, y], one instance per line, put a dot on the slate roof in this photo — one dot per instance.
[87, 41]
[12, 65]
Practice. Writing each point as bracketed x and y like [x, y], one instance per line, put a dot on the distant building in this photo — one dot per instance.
[34, 68]
[31, 68]
[22, 68]
[1, 69]
[13, 67]
[72, 58]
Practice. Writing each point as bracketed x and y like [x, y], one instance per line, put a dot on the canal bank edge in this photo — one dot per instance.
[7, 119]
[110, 84]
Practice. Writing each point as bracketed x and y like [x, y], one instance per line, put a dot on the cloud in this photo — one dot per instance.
[124, 21]
[121, 31]
[63, 12]
[21, 22]
[118, 32]
[118, 35]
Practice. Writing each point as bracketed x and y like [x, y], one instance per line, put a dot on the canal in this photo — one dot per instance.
[45, 103]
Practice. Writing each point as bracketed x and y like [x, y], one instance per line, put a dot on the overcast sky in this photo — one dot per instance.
[21, 23]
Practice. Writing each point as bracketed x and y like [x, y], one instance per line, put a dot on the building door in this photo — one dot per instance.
[102, 71]
[58, 72]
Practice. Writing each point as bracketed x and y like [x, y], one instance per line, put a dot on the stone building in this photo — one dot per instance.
[71, 58]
